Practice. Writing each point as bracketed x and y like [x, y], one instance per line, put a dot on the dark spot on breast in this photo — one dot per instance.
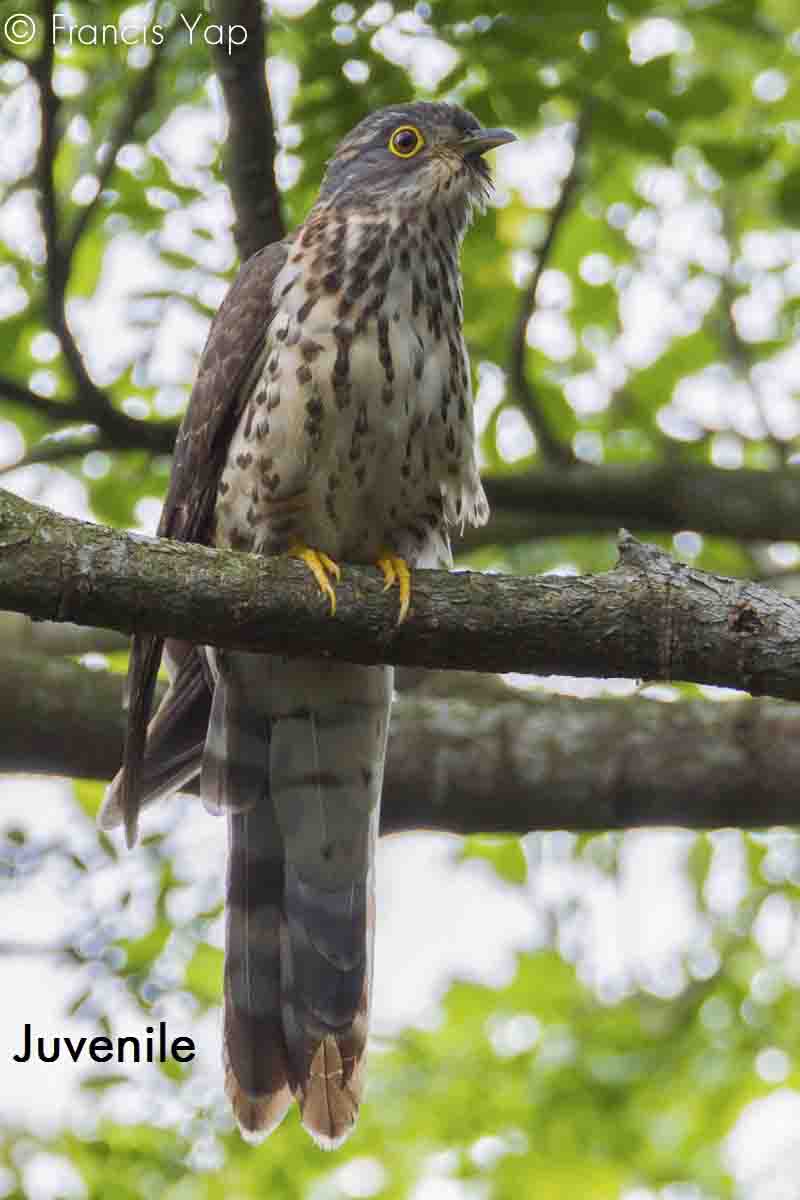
[381, 277]
[243, 460]
[310, 349]
[340, 376]
[305, 308]
[303, 373]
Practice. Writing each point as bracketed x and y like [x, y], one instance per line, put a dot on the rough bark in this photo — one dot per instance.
[473, 756]
[648, 618]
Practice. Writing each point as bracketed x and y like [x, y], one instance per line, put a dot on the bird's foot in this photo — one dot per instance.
[395, 571]
[321, 567]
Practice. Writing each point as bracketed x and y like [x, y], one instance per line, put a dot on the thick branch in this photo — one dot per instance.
[745, 504]
[250, 158]
[487, 762]
[649, 617]
[50, 638]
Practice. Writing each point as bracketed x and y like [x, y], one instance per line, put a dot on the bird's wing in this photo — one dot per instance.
[235, 343]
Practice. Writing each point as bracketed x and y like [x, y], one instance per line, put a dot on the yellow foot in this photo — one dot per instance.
[395, 570]
[320, 566]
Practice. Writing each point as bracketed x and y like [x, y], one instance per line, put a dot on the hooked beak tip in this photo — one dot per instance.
[485, 139]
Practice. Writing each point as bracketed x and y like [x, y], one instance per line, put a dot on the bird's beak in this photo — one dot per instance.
[485, 139]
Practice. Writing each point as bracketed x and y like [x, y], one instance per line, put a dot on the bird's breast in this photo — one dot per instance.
[361, 395]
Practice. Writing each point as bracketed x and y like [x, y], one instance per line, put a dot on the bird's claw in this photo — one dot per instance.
[395, 571]
[321, 567]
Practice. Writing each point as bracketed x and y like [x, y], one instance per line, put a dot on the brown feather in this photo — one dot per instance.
[236, 337]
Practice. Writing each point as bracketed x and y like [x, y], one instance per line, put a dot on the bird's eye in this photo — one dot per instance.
[406, 141]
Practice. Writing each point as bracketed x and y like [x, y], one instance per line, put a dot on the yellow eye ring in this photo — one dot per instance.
[404, 146]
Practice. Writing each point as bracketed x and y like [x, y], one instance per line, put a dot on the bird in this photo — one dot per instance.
[331, 419]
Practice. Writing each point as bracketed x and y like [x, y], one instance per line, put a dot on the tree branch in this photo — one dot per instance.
[488, 761]
[56, 410]
[138, 101]
[553, 450]
[95, 405]
[743, 504]
[51, 638]
[648, 618]
[250, 158]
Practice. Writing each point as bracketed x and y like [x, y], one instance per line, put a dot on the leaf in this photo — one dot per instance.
[141, 953]
[504, 853]
[787, 197]
[89, 794]
[735, 159]
[101, 1083]
[706, 96]
[204, 973]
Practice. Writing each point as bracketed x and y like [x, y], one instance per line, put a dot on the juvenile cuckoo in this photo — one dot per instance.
[331, 419]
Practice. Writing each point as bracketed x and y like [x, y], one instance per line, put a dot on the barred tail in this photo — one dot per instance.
[295, 753]
[255, 1056]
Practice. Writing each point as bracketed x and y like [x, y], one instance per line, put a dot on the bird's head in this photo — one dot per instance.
[414, 154]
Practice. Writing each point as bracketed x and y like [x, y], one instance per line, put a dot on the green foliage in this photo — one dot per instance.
[505, 855]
